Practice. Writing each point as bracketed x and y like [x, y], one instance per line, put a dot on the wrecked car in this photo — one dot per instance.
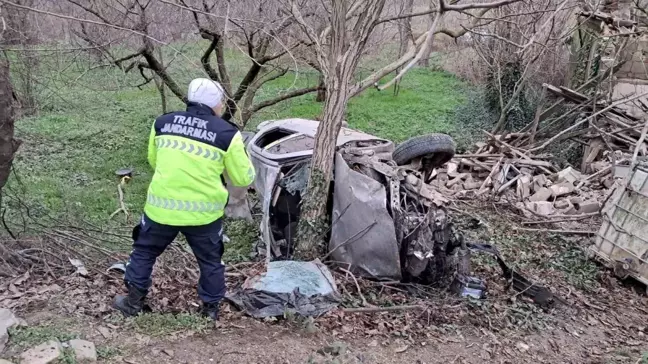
[386, 222]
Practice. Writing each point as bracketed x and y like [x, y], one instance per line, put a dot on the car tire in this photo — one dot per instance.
[439, 147]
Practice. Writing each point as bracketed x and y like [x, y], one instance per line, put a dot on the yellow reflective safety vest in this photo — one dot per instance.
[190, 150]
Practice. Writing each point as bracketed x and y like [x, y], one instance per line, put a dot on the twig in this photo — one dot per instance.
[122, 205]
[490, 177]
[508, 184]
[639, 144]
[383, 309]
[591, 117]
[575, 218]
[67, 235]
[364, 300]
[602, 172]
[558, 231]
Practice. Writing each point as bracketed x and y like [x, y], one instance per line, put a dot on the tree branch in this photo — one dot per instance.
[222, 67]
[406, 16]
[411, 53]
[118, 62]
[204, 60]
[429, 40]
[286, 96]
[464, 7]
[250, 76]
[159, 69]
[67, 17]
[91, 11]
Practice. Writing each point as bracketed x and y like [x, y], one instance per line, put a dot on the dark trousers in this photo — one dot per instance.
[205, 241]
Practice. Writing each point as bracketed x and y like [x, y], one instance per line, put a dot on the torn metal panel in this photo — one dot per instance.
[266, 178]
[363, 233]
[539, 294]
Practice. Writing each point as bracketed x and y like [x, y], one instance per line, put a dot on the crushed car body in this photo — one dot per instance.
[386, 222]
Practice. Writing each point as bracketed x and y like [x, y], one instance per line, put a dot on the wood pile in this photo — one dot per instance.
[532, 183]
[514, 167]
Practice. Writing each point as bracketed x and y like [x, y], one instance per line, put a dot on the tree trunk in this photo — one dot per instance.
[405, 35]
[159, 83]
[338, 65]
[321, 91]
[314, 219]
[8, 145]
[20, 32]
[425, 60]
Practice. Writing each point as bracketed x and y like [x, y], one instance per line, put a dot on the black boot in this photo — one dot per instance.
[132, 304]
[210, 310]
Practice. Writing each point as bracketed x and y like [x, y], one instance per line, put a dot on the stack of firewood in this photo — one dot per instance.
[514, 166]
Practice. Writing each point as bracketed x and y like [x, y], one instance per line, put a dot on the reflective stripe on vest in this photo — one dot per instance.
[177, 205]
[195, 149]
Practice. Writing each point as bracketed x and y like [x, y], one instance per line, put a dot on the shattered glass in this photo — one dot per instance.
[297, 181]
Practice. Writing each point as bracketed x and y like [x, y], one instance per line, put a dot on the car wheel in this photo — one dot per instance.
[436, 148]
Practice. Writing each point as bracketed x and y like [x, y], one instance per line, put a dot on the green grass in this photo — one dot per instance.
[243, 235]
[581, 272]
[93, 123]
[24, 337]
[158, 324]
[107, 352]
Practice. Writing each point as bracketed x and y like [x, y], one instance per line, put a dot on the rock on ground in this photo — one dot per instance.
[84, 350]
[2, 361]
[7, 320]
[42, 354]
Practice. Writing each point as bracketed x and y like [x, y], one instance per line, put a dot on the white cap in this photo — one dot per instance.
[205, 91]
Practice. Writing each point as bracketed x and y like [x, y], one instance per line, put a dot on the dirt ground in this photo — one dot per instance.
[245, 340]
[602, 319]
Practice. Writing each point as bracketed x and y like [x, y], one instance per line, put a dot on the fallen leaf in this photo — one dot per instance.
[401, 349]
[104, 331]
[522, 347]
[13, 289]
[80, 267]
[21, 279]
[373, 344]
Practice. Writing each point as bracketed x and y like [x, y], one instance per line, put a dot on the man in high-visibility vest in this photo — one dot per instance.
[190, 151]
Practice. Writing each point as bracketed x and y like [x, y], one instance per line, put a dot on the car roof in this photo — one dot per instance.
[309, 128]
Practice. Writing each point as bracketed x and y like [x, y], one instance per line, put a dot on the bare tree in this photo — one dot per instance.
[513, 52]
[339, 48]
[405, 34]
[8, 145]
[20, 32]
[256, 28]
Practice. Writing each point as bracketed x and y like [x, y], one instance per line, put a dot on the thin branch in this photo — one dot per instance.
[286, 96]
[62, 16]
[208, 13]
[411, 53]
[382, 309]
[576, 125]
[429, 40]
[204, 60]
[640, 142]
[407, 16]
[464, 7]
